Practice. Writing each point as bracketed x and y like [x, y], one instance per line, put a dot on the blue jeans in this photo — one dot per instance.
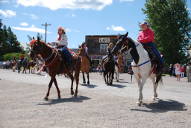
[67, 55]
[154, 50]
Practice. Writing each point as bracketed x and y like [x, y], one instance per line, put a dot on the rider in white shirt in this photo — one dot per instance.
[62, 44]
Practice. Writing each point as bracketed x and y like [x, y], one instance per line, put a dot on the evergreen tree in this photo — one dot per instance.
[172, 25]
[8, 41]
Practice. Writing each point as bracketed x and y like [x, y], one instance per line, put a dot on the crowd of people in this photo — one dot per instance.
[177, 70]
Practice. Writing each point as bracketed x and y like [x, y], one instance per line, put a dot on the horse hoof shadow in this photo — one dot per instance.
[161, 106]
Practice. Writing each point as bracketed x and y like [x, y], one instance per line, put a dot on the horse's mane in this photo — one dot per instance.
[133, 52]
[35, 41]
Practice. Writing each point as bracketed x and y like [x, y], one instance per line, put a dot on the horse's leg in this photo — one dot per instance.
[107, 77]
[155, 85]
[49, 86]
[76, 75]
[111, 78]
[140, 92]
[117, 76]
[72, 81]
[104, 75]
[77, 82]
[141, 84]
[112, 75]
[84, 79]
[88, 78]
[58, 90]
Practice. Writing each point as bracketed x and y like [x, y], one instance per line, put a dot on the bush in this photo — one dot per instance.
[10, 56]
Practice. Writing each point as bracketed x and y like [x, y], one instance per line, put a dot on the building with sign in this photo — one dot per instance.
[97, 46]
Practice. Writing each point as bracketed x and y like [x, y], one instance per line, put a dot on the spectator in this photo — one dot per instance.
[177, 71]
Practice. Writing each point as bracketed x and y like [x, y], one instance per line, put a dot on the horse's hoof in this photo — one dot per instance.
[59, 97]
[139, 103]
[72, 92]
[75, 95]
[155, 99]
[46, 98]
[88, 82]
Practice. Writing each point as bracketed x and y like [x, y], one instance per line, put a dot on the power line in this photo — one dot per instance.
[45, 25]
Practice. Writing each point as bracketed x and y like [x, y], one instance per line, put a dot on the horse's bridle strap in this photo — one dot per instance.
[46, 65]
[46, 59]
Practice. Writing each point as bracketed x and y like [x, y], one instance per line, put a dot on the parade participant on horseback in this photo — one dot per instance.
[62, 43]
[84, 46]
[146, 38]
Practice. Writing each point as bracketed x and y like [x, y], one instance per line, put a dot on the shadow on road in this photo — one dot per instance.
[117, 86]
[89, 85]
[122, 82]
[63, 100]
[162, 106]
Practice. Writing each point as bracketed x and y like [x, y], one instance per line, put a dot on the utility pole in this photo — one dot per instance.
[1, 24]
[45, 25]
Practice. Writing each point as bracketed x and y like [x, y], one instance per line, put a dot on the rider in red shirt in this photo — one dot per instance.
[146, 38]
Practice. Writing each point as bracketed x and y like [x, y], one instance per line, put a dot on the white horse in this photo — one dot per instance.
[141, 65]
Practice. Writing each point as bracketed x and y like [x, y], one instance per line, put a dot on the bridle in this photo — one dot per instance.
[47, 59]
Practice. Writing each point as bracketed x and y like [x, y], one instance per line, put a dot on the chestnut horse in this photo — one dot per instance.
[55, 65]
[85, 64]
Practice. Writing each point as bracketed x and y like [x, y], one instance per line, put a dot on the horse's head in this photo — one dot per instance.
[124, 43]
[121, 41]
[37, 47]
[82, 51]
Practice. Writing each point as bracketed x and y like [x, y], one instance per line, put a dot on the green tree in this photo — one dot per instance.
[172, 25]
[8, 41]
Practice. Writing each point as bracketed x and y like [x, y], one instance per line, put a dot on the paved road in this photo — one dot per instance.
[97, 106]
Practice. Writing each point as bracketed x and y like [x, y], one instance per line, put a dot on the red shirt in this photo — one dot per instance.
[146, 36]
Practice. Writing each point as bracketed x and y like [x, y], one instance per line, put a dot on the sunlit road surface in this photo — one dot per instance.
[97, 105]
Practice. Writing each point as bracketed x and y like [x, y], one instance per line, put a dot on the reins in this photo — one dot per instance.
[56, 54]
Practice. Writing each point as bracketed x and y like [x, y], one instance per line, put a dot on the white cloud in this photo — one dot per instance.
[4, 1]
[24, 24]
[116, 28]
[30, 29]
[189, 9]
[32, 16]
[7, 13]
[69, 4]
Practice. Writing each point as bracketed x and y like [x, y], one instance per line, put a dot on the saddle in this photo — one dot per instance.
[155, 61]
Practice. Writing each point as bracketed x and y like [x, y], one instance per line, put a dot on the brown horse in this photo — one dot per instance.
[85, 64]
[55, 65]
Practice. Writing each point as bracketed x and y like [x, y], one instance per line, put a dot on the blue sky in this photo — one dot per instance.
[78, 17]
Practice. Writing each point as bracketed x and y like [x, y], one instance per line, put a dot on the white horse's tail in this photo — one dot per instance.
[158, 78]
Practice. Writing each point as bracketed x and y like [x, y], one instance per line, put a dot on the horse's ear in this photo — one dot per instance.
[126, 34]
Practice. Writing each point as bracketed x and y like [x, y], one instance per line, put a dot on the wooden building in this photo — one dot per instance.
[97, 46]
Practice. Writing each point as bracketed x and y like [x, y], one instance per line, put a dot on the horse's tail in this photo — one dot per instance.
[77, 68]
[158, 78]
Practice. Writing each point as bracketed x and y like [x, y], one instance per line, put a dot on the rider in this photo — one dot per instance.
[84, 46]
[146, 38]
[62, 43]
[110, 47]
